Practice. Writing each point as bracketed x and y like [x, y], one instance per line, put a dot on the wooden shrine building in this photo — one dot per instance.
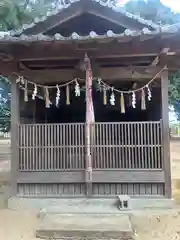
[71, 139]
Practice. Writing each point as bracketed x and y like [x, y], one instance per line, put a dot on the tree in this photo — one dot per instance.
[152, 10]
[5, 98]
[157, 12]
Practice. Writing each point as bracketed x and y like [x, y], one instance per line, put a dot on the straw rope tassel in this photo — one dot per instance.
[122, 103]
[47, 97]
[67, 96]
[143, 100]
[104, 96]
[34, 92]
[25, 92]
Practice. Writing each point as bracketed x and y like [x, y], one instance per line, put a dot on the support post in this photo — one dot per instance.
[165, 133]
[14, 135]
[88, 126]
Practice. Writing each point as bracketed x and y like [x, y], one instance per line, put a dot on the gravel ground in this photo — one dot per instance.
[17, 225]
[157, 226]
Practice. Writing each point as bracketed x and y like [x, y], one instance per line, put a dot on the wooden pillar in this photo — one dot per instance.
[14, 135]
[88, 126]
[165, 133]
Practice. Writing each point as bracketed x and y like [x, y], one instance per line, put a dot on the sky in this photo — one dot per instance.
[174, 4]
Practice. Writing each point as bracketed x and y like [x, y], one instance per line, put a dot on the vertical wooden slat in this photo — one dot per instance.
[58, 145]
[48, 147]
[159, 145]
[52, 149]
[140, 129]
[112, 163]
[144, 143]
[126, 163]
[135, 145]
[104, 144]
[102, 162]
[122, 145]
[45, 146]
[64, 146]
[76, 146]
[23, 132]
[153, 144]
[129, 146]
[32, 148]
[36, 148]
[42, 132]
[29, 137]
[119, 148]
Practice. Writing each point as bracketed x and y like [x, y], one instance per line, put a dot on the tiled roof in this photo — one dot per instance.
[127, 35]
[59, 8]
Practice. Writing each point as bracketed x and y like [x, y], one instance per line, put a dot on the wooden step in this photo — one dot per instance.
[79, 226]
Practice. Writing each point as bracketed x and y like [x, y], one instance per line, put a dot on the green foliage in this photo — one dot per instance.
[4, 104]
[157, 12]
[152, 10]
[13, 15]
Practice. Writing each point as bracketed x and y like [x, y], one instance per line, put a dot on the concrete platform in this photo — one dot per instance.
[86, 206]
[74, 226]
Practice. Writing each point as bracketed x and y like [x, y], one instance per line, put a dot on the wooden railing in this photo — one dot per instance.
[127, 145]
[51, 146]
[61, 147]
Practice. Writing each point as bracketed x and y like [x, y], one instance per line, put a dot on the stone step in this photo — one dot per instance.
[79, 226]
[5, 156]
[5, 151]
[81, 206]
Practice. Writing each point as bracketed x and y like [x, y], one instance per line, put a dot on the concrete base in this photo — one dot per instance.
[58, 226]
[82, 206]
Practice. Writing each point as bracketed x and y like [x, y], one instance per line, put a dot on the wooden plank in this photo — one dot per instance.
[165, 133]
[14, 135]
[51, 177]
[101, 176]
[128, 176]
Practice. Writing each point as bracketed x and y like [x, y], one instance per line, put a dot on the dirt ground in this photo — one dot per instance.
[16, 225]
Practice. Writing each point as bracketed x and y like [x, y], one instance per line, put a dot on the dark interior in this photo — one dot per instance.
[36, 112]
[73, 63]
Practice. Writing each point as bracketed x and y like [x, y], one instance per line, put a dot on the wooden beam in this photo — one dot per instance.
[163, 54]
[7, 68]
[165, 133]
[45, 50]
[98, 176]
[14, 135]
[113, 74]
